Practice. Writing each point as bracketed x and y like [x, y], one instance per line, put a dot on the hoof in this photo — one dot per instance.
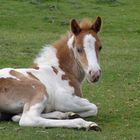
[94, 127]
[73, 116]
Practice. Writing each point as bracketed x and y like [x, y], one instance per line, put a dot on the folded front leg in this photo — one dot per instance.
[60, 115]
[32, 117]
[72, 103]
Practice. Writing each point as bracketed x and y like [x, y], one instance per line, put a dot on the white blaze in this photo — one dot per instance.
[89, 47]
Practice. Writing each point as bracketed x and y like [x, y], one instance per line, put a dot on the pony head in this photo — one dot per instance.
[86, 46]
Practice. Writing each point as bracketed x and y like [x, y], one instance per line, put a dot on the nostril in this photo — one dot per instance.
[97, 76]
[90, 72]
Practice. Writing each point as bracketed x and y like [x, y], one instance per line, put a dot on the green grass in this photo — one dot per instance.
[26, 25]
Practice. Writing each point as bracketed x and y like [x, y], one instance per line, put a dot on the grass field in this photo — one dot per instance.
[26, 25]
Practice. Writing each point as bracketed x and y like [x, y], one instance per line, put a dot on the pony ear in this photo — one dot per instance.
[75, 28]
[97, 25]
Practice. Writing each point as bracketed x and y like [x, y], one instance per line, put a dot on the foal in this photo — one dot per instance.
[47, 94]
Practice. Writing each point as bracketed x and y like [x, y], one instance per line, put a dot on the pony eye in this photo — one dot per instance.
[100, 48]
[79, 50]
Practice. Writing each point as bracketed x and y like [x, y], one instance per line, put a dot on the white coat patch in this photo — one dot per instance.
[47, 57]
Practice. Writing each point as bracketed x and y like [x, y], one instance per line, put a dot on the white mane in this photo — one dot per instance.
[47, 57]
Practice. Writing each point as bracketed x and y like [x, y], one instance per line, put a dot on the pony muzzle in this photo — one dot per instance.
[93, 76]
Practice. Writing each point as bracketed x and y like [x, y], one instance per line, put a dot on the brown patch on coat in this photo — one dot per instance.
[54, 69]
[74, 83]
[32, 76]
[63, 52]
[23, 91]
[18, 75]
[32, 86]
[64, 56]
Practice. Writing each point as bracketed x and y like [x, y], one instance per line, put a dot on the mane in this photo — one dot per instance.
[62, 42]
[85, 24]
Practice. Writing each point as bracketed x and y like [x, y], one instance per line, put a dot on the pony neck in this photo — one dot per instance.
[67, 61]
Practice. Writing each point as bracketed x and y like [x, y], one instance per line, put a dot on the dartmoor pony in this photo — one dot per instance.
[49, 93]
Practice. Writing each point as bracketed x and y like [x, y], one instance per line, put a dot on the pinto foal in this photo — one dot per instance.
[47, 94]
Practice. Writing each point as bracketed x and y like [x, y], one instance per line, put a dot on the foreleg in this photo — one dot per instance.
[60, 115]
[76, 104]
[52, 115]
[32, 118]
